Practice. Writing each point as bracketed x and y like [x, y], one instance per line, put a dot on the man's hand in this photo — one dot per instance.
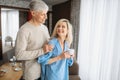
[47, 48]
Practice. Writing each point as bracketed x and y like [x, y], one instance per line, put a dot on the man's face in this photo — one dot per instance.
[39, 16]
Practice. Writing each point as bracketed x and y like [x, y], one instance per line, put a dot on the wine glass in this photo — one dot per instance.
[13, 61]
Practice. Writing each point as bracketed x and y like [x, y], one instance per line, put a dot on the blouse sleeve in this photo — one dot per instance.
[70, 61]
[45, 58]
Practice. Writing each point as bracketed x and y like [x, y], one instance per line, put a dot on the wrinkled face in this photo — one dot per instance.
[39, 16]
[62, 29]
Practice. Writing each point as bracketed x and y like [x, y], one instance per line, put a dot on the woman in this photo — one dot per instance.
[55, 63]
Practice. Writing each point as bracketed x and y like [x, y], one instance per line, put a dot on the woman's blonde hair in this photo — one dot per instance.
[69, 37]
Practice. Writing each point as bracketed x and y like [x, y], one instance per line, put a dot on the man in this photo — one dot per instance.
[30, 39]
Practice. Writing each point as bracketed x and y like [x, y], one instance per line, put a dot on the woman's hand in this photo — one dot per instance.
[65, 55]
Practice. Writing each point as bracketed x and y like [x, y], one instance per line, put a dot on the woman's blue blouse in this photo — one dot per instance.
[59, 69]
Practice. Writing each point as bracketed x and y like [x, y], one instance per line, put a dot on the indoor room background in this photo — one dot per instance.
[96, 31]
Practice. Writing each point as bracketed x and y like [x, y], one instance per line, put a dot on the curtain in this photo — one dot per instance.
[99, 40]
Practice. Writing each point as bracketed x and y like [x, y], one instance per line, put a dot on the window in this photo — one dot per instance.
[10, 25]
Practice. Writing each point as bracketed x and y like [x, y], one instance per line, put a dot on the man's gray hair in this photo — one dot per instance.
[38, 5]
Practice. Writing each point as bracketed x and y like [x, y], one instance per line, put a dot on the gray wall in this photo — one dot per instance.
[75, 20]
[18, 3]
[15, 3]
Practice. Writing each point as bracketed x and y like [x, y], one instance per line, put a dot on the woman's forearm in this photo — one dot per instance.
[52, 60]
[61, 56]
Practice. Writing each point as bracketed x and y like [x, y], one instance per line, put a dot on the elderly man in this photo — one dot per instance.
[30, 39]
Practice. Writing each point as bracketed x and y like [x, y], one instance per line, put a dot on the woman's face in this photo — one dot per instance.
[40, 16]
[62, 29]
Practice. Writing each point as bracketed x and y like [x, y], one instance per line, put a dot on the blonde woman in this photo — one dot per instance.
[55, 64]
